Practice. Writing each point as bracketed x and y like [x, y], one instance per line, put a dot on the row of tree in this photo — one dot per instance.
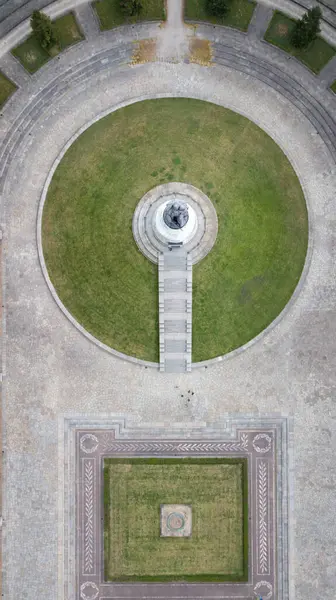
[46, 34]
[304, 32]
[307, 28]
[44, 30]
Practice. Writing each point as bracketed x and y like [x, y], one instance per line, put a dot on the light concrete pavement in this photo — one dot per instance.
[51, 370]
[173, 37]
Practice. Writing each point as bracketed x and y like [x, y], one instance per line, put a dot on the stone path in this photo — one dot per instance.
[172, 38]
[260, 20]
[175, 310]
[175, 267]
[87, 20]
[328, 73]
[14, 70]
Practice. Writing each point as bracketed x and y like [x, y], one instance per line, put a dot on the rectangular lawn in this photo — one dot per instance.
[31, 54]
[279, 32]
[216, 489]
[67, 29]
[7, 88]
[110, 14]
[238, 16]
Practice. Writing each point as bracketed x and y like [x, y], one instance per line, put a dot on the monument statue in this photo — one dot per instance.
[176, 214]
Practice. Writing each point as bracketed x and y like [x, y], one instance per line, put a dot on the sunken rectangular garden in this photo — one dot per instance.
[176, 519]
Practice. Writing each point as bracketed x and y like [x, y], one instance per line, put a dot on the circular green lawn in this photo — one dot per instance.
[93, 261]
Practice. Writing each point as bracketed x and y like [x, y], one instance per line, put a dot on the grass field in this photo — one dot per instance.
[216, 489]
[279, 33]
[110, 15]
[7, 87]
[94, 263]
[68, 32]
[239, 14]
[31, 54]
[333, 87]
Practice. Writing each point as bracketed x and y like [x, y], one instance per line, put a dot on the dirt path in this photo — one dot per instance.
[173, 41]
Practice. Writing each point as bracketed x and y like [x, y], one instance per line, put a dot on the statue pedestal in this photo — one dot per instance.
[153, 236]
[168, 235]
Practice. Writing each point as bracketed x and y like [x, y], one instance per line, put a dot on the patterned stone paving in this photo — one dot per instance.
[264, 443]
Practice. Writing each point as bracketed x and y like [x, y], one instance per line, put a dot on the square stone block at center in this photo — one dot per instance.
[175, 520]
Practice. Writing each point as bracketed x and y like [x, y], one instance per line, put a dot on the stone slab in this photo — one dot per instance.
[175, 520]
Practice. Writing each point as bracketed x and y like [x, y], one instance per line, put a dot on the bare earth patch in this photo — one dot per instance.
[30, 57]
[282, 29]
[200, 52]
[75, 33]
[145, 51]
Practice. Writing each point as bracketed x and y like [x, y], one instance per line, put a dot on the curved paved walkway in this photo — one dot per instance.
[52, 370]
[12, 12]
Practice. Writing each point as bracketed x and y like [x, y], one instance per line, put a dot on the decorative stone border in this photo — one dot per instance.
[147, 239]
[265, 442]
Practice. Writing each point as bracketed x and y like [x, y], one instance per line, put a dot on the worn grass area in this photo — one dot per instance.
[279, 33]
[7, 87]
[31, 54]
[239, 14]
[110, 15]
[68, 31]
[94, 263]
[200, 52]
[215, 488]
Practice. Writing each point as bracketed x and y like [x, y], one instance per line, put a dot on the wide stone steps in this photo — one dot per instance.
[175, 310]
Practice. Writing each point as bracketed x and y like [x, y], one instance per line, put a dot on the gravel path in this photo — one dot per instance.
[260, 20]
[172, 39]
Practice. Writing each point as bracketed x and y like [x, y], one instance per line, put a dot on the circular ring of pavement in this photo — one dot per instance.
[254, 83]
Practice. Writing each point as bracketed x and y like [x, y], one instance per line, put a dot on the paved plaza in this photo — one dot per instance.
[67, 400]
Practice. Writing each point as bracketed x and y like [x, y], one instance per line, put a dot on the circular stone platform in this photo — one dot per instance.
[175, 520]
[151, 233]
[167, 234]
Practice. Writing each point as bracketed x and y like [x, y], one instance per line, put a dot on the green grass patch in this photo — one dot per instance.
[7, 88]
[110, 15]
[31, 54]
[216, 489]
[333, 87]
[239, 14]
[95, 265]
[279, 32]
[68, 31]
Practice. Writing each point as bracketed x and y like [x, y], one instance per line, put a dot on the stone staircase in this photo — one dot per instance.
[175, 306]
